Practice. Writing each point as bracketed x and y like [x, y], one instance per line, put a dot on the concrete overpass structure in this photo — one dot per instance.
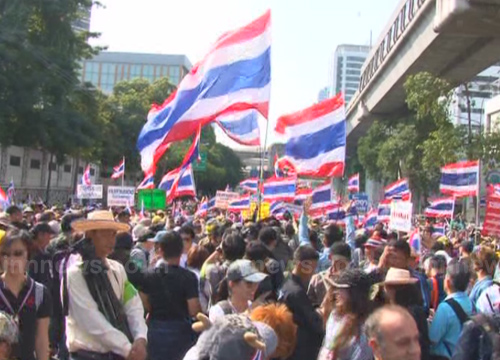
[453, 39]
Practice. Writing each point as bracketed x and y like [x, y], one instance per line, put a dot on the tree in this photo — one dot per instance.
[40, 93]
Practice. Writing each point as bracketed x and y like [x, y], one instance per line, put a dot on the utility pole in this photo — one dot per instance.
[49, 178]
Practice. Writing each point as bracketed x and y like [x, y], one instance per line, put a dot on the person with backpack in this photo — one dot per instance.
[437, 273]
[27, 301]
[484, 262]
[480, 339]
[140, 254]
[453, 312]
[240, 284]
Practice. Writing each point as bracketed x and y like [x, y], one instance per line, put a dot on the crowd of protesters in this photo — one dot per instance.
[92, 284]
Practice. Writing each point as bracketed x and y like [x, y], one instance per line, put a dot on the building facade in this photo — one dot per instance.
[478, 91]
[83, 22]
[29, 170]
[107, 69]
[346, 70]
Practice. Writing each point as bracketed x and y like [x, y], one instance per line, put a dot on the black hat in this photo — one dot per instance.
[42, 227]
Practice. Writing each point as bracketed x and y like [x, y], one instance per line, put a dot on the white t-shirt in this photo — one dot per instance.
[215, 312]
[489, 301]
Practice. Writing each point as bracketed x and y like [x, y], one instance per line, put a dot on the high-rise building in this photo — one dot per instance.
[83, 22]
[323, 94]
[347, 63]
[477, 92]
[109, 68]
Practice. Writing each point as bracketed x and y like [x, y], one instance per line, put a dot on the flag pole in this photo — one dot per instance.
[261, 176]
[478, 199]
[123, 175]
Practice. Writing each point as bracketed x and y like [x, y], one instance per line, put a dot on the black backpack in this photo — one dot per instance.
[477, 341]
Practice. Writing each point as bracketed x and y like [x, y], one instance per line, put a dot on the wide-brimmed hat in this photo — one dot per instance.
[398, 277]
[351, 278]
[99, 220]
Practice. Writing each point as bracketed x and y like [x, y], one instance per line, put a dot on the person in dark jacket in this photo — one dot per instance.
[294, 295]
[121, 253]
[480, 339]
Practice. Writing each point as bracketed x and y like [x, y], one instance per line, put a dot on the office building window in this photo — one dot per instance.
[135, 71]
[92, 171]
[148, 72]
[108, 72]
[91, 72]
[173, 74]
[35, 164]
[80, 170]
[67, 168]
[354, 66]
[356, 58]
[15, 160]
[352, 78]
[52, 166]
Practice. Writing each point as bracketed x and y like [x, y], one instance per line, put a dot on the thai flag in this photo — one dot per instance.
[279, 189]
[202, 209]
[370, 219]
[234, 77]
[11, 191]
[242, 127]
[147, 183]
[416, 241]
[283, 167]
[243, 203]
[192, 154]
[493, 189]
[185, 186]
[259, 355]
[353, 183]
[443, 208]
[398, 190]
[322, 198]
[250, 184]
[336, 213]
[277, 207]
[211, 204]
[384, 210]
[4, 199]
[86, 176]
[119, 170]
[460, 179]
[301, 195]
[316, 138]
[439, 229]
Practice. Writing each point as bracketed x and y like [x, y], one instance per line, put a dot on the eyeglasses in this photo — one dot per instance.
[16, 253]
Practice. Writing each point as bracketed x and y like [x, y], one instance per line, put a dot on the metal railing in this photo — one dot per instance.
[405, 17]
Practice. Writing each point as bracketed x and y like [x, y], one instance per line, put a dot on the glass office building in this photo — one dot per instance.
[109, 68]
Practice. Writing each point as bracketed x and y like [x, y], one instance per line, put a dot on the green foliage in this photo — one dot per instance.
[42, 103]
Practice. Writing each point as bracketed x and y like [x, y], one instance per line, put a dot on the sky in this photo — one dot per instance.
[305, 34]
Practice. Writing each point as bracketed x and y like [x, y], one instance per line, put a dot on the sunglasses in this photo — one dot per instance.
[16, 253]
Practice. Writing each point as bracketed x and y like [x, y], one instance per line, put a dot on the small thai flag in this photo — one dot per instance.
[370, 219]
[202, 209]
[384, 210]
[119, 170]
[243, 203]
[250, 184]
[147, 183]
[398, 190]
[279, 189]
[353, 183]
[301, 195]
[4, 199]
[460, 179]
[86, 176]
[11, 191]
[443, 208]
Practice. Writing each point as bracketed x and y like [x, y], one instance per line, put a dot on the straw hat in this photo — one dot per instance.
[99, 220]
[399, 277]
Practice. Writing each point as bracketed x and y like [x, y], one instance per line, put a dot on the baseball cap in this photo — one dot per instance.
[159, 236]
[244, 270]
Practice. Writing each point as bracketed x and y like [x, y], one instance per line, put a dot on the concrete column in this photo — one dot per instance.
[25, 166]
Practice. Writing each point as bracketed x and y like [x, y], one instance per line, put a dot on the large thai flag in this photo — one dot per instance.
[279, 189]
[398, 190]
[119, 170]
[185, 186]
[86, 180]
[242, 127]
[460, 179]
[371, 219]
[353, 183]
[443, 208]
[301, 195]
[384, 210]
[234, 77]
[243, 203]
[316, 138]
[251, 185]
[147, 183]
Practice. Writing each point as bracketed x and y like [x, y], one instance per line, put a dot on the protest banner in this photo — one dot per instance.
[491, 225]
[84, 192]
[223, 198]
[401, 213]
[121, 195]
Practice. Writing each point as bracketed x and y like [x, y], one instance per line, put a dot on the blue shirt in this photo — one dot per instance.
[324, 256]
[445, 327]
[478, 289]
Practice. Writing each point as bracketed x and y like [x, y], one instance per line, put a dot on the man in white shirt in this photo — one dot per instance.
[112, 327]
